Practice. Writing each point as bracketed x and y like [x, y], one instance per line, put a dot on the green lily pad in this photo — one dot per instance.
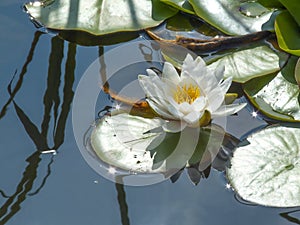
[233, 17]
[182, 5]
[275, 97]
[271, 3]
[267, 171]
[287, 32]
[246, 64]
[297, 72]
[99, 17]
[140, 145]
[293, 7]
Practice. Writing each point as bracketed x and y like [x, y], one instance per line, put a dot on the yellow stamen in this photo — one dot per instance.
[186, 94]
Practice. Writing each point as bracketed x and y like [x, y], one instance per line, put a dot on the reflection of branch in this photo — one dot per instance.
[23, 72]
[23, 188]
[45, 178]
[40, 138]
[290, 218]
[68, 96]
[53, 81]
[122, 203]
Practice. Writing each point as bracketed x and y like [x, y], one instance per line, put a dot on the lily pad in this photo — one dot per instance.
[182, 5]
[232, 17]
[267, 171]
[287, 32]
[99, 17]
[297, 72]
[246, 64]
[277, 98]
[140, 145]
[293, 7]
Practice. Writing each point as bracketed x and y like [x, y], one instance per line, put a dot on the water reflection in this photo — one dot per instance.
[22, 73]
[290, 218]
[122, 204]
[41, 138]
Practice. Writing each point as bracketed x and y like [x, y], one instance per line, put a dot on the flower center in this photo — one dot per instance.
[186, 94]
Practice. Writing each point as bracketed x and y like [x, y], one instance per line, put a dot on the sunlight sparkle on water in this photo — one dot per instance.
[118, 106]
[254, 114]
[228, 186]
[111, 170]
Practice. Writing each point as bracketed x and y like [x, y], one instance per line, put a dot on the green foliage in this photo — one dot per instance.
[288, 33]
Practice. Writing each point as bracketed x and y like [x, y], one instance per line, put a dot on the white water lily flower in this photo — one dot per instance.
[184, 99]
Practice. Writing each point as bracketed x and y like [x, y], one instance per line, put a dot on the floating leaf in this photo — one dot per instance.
[140, 145]
[267, 171]
[282, 96]
[288, 71]
[275, 97]
[122, 140]
[182, 5]
[232, 16]
[246, 64]
[271, 3]
[297, 72]
[287, 32]
[293, 7]
[99, 17]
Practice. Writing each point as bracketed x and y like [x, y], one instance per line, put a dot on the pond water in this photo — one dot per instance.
[39, 75]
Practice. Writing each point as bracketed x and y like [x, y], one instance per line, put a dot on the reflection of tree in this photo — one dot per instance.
[290, 218]
[122, 204]
[39, 138]
[22, 74]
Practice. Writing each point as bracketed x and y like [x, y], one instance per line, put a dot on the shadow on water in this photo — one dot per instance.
[40, 139]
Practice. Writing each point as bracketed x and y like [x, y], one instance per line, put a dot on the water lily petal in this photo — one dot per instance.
[216, 96]
[151, 73]
[227, 110]
[219, 73]
[148, 86]
[170, 73]
[193, 117]
[185, 108]
[174, 126]
[152, 89]
[225, 85]
[162, 111]
[215, 99]
[175, 112]
[199, 104]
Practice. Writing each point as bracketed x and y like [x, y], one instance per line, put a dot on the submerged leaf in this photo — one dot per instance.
[267, 171]
[99, 17]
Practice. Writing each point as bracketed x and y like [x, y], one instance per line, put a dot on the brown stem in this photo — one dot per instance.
[214, 44]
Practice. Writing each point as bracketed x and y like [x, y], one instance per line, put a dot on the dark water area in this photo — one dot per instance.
[39, 73]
